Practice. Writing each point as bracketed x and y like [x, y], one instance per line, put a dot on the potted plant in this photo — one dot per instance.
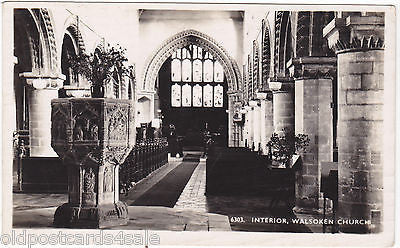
[285, 145]
[100, 67]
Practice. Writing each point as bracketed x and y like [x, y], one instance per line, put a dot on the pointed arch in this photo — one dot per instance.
[256, 65]
[44, 21]
[266, 54]
[73, 30]
[37, 24]
[183, 39]
[283, 42]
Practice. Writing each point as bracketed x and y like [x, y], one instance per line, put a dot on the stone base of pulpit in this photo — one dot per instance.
[102, 216]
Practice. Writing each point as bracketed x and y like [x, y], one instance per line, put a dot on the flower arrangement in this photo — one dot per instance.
[285, 145]
[100, 66]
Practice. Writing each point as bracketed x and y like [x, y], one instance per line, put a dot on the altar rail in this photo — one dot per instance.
[146, 157]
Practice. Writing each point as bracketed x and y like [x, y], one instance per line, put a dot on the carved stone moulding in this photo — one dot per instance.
[266, 95]
[312, 67]
[356, 44]
[182, 39]
[103, 216]
[355, 33]
[43, 81]
[281, 84]
[92, 136]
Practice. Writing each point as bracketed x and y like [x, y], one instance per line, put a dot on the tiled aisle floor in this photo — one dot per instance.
[193, 195]
[189, 214]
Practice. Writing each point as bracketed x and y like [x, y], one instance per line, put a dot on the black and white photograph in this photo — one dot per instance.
[198, 123]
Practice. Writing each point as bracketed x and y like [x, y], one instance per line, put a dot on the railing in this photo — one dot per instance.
[146, 157]
[21, 150]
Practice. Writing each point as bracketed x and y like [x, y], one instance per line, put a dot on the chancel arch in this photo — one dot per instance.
[183, 39]
[193, 78]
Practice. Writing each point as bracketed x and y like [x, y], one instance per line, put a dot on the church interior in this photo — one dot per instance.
[209, 89]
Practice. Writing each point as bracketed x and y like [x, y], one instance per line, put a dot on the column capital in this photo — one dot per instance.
[355, 33]
[312, 67]
[43, 81]
[281, 86]
[233, 92]
[253, 103]
[267, 95]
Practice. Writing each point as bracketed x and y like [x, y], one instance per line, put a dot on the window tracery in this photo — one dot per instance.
[196, 73]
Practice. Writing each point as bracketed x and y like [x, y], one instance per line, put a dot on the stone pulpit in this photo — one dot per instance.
[92, 136]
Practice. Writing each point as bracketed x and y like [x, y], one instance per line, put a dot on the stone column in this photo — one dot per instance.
[246, 136]
[40, 93]
[266, 122]
[283, 105]
[256, 124]
[233, 98]
[314, 117]
[250, 131]
[359, 47]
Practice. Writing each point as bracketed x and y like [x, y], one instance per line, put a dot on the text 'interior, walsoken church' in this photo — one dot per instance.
[236, 118]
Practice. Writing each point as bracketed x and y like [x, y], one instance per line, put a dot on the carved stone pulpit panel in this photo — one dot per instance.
[92, 136]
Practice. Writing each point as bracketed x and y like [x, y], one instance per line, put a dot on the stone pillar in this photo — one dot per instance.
[360, 82]
[40, 93]
[313, 90]
[256, 124]
[283, 105]
[230, 113]
[233, 98]
[246, 137]
[266, 122]
[250, 131]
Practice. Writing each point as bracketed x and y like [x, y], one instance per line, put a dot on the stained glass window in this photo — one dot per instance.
[184, 53]
[194, 64]
[176, 95]
[197, 96]
[218, 72]
[186, 70]
[218, 96]
[208, 70]
[199, 53]
[176, 70]
[197, 70]
[208, 96]
[186, 95]
[194, 52]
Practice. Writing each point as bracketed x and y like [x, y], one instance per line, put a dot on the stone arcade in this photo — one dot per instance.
[314, 73]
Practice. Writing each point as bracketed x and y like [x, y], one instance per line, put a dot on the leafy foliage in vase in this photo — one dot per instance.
[101, 65]
[285, 145]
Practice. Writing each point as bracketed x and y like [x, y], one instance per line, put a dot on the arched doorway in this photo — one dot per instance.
[158, 78]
